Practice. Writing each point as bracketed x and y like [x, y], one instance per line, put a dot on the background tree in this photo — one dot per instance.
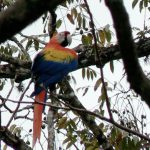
[118, 121]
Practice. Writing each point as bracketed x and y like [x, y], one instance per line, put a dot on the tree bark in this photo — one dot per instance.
[135, 75]
[12, 140]
[20, 70]
[21, 14]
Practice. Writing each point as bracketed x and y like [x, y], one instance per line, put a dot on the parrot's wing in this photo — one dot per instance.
[52, 61]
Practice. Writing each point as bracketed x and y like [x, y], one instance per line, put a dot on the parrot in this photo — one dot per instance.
[50, 66]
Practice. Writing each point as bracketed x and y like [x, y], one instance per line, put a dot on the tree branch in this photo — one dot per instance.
[20, 99]
[137, 133]
[136, 77]
[20, 70]
[87, 119]
[12, 140]
[21, 14]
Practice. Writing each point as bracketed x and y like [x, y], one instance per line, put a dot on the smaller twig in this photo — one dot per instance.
[133, 114]
[52, 23]
[23, 117]
[41, 145]
[110, 121]
[14, 39]
[11, 89]
[13, 101]
[5, 106]
[4, 100]
[35, 102]
[44, 134]
[21, 98]
[99, 60]
[34, 37]
[25, 108]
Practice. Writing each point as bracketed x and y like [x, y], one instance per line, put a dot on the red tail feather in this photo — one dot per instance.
[37, 119]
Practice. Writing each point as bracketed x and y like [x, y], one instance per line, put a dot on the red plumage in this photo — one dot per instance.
[37, 119]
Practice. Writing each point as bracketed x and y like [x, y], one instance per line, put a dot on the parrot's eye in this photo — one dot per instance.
[64, 38]
[62, 35]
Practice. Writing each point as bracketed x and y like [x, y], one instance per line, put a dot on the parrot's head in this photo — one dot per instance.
[62, 38]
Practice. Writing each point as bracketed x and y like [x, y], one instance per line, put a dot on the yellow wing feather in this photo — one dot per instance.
[51, 54]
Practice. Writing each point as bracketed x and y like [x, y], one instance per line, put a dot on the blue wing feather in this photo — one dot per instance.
[52, 68]
[50, 72]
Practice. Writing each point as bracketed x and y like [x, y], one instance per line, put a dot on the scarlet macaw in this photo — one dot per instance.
[49, 67]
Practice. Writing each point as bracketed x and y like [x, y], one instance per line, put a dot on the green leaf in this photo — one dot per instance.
[2, 83]
[74, 12]
[112, 66]
[90, 147]
[7, 2]
[75, 119]
[84, 23]
[2, 49]
[64, 4]
[62, 122]
[101, 125]
[83, 73]
[97, 84]
[58, 23]
[14, 48]
[17, 131]
[103, 96]
[69, 145]
[84, 40]
[83, 5]
[36, 45]
[88, 74]
[94, 73]
[91, 74]
[102, 36]
[72, 123]
[70, 18]
[74, 79]
[12, 127]
[78, 89]
[145, 3]
[108, 35]
[79, 20]
[29, 43]
[66, 140]
[90, 38]
[134, 3]
[85, 91]
[141, 5]
[124, 144]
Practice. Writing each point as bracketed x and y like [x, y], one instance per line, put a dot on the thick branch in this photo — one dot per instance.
[137, 79]
[21, 14]
[12, 140]
[20, 70]
[88, 120]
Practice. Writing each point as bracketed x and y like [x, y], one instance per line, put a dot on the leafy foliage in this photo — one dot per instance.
[127, 110]
[142, 4]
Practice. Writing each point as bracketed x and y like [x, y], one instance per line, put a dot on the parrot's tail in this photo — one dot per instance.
[37, 119]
